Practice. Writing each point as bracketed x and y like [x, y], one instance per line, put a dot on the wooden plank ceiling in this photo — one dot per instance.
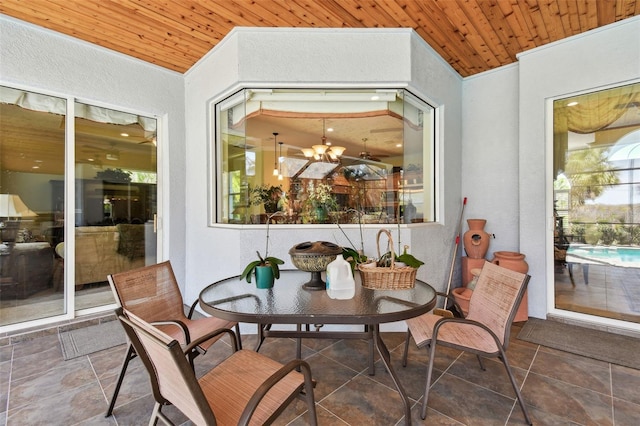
[472, 35]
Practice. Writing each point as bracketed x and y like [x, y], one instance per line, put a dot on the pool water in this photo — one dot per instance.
[617, 256]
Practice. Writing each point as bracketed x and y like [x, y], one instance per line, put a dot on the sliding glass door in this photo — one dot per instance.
[32, 151]
[115, 199]
[597, 203]
[77, 202]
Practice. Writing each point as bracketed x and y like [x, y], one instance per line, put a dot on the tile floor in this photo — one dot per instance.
[37, 387]
[601, 290]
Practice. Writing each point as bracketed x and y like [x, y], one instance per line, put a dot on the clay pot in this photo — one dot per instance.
[476, 240]
[462, 296]
[515, 261]
[511, 260]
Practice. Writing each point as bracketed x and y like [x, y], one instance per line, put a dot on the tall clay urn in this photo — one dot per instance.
[476, 240]
[511, 260]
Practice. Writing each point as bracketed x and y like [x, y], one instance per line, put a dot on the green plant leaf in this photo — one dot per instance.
[409, 260]
[353, 257]
[274, 262]
[246, 274]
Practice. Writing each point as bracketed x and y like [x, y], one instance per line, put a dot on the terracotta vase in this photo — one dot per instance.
[515, 261]
[511, 260]
[462, 296]
[476, 240]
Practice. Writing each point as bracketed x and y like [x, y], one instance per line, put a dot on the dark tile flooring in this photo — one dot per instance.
[37, 387]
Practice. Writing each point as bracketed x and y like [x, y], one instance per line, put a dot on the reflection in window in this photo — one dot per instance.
[324, 156]
[597, 201]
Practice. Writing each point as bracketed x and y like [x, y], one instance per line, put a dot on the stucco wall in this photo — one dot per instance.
[490, 154]
[266, 57]
[34, 58]
[594, 60]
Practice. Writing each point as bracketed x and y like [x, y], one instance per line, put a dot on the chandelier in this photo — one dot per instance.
[324, 151]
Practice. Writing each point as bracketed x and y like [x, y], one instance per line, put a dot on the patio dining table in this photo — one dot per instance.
[289, 303]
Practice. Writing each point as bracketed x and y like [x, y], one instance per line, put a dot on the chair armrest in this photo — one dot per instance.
[177, 323]
[193, 345]
[272, 381]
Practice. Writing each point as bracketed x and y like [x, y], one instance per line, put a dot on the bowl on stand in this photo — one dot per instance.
[314, 257]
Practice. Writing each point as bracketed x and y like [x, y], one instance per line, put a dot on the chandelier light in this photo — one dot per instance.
[324, 151]
[275, 151]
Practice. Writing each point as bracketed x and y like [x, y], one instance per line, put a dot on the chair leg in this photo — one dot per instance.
[131, 354]
[157, 414]
[238, 336]
[481, 363]
[432, 355]
[503, 358]
[406, 348]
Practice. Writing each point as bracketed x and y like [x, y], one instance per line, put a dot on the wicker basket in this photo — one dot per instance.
[387, 278]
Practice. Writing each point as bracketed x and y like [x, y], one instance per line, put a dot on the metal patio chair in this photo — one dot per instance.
[152, 293]
[484, 331]
[245, 388]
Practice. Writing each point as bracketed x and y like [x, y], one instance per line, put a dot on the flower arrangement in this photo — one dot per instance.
[321, 195]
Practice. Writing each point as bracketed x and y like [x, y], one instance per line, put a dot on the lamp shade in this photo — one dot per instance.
[308, 152]
[338, 150]
[11, 205]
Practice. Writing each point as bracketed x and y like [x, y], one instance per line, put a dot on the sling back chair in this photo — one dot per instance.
[152, 293]
[245, 388]
[484, 331]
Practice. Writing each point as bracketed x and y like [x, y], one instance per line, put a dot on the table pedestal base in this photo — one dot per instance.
[315, 283]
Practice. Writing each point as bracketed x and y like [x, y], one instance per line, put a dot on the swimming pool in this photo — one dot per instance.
[627, 257]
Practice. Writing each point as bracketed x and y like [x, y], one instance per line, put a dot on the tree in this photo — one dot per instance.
[589, 173]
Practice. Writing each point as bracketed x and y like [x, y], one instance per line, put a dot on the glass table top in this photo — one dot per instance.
[288, 303]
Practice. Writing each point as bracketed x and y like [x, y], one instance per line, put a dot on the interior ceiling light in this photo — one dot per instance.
[280, 162]
[275, 151]
[324, 151]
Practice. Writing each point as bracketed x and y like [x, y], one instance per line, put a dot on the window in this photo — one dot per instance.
[323, 156]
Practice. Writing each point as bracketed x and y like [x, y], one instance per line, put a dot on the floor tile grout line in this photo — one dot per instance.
[613, 411]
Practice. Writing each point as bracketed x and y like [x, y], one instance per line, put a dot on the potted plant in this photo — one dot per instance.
[269, 196]
[266, 269]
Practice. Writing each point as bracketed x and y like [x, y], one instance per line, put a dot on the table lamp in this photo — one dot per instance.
[12, 210]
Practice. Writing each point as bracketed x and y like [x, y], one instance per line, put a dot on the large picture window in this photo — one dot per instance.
[308, 156]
